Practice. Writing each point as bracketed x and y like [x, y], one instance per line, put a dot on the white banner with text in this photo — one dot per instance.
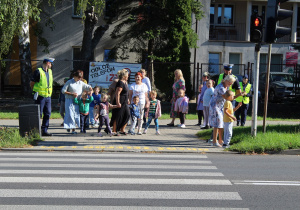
[103, 73]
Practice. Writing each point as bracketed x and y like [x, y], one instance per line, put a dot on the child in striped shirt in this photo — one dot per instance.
[154, 111]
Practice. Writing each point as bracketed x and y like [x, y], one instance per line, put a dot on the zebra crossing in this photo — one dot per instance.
[113, 181]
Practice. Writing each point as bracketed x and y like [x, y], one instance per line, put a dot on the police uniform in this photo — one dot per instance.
[43, 84]
[236, 85]
[241, 113]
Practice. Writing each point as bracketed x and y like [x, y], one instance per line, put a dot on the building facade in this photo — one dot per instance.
[224, 36]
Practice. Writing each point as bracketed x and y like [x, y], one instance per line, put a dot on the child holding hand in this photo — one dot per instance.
[229, 118]
[84, 106]
[104, 107]
[182, 106]
[154, 112]
[134, 114]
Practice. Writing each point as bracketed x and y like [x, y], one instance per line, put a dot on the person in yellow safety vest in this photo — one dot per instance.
[241, 113]
[42, 85]
[235, 87]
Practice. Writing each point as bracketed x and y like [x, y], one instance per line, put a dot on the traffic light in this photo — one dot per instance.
[256, 29]
[275, 14]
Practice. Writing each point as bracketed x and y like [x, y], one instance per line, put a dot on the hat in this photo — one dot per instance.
[228, 66]
[205, 74]
[245, 76]
[49, 60]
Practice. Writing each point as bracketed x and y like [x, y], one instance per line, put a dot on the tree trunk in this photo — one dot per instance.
[25, 59]
[150, 63]
[89, 42]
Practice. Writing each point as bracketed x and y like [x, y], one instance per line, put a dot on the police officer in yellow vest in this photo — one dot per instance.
[241, 113]
[235, 87]
[42, 84]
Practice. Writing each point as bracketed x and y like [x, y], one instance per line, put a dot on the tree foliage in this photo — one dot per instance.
[12, 17]
[166, 25]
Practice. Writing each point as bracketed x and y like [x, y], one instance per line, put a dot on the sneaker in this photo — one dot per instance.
[110, 135]
[74, 132]
[179, 125]
[139, 133]
[157, 133]
[182, 126]
[145, 131]
[100, 134]
[68, 130]
[217, 145]
[132, 133]
[210, 141]
[226, 145]
[95, 126]
[46, 134]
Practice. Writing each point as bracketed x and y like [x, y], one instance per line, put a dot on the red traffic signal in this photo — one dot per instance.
[257, 22]
[256, 29]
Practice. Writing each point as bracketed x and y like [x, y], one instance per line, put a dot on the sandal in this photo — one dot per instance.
[123, 133]
[115, 134]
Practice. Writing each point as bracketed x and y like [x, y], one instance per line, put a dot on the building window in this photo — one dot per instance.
[76, 57]
[76, 12]
[214, 63]
[107, 56]
[235, 58]
[223, 12]
[276, 62]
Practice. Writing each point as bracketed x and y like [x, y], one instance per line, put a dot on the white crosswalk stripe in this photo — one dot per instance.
[112, 181]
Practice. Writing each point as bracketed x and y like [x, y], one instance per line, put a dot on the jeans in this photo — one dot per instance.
[133, 123]
[150, 117]
[91, 114]
[227, 132]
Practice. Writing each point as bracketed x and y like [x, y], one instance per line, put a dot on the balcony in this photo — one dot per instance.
[227, 32]
[237, 32]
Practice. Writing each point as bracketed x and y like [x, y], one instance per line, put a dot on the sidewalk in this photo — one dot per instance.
[172, 139]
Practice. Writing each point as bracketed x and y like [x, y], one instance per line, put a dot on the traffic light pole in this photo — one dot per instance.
[255, 90]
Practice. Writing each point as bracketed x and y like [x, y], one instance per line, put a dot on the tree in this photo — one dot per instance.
[91, 38]
[160, 26]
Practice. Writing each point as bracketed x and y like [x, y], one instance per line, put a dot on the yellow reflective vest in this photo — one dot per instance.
[220, 80]
[42, 86]
[244, 99]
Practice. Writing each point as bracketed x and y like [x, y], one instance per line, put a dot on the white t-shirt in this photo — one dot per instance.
[139, 90]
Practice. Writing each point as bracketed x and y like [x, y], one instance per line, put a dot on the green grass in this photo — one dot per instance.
[276, 139]
[10, 138]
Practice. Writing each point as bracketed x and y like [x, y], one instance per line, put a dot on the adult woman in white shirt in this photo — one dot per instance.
[141, 90]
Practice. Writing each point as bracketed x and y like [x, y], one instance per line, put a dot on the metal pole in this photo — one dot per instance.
[195, 58]
[267, 88]
[255, 94]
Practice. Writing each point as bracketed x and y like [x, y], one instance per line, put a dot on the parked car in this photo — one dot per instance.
[280, 85]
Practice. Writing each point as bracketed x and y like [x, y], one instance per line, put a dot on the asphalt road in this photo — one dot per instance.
[58, 180]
